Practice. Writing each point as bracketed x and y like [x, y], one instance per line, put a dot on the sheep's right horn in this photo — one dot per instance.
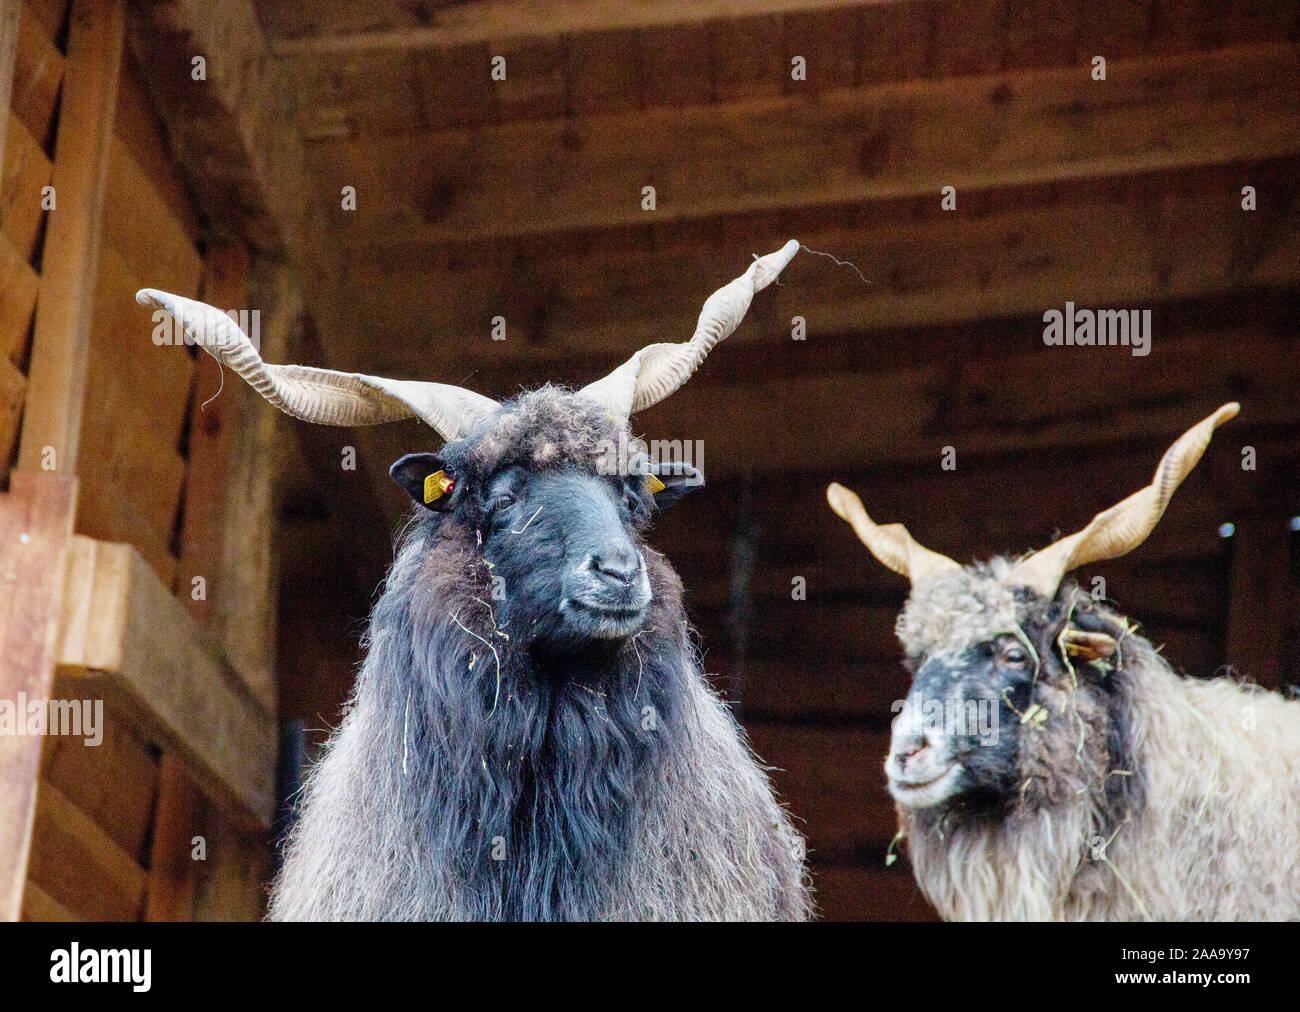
[657, 370]
[323, 395]
[1123, 527]
[891, 544]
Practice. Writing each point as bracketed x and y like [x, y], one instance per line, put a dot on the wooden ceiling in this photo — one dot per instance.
[522, 198]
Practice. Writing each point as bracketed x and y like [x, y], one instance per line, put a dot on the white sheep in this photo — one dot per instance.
[1048, 764]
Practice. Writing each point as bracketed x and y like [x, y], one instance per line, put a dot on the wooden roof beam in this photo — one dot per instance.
[206, 70]
[776, 155]
[577, 312]
[121, 625]
[497, 20]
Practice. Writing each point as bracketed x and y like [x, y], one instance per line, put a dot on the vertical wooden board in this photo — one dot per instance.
[534, 86]
[123, 345]
[827, 42]
[139, 225]
[746, 59]
[10, 22]
[893, 43]
[1040, 34]
[26, 173]
[455, 87]
[603, 73]
[173, 872]
[112, 782]
[232, 882]
[675, 65]
[57, 377]
[13, 389]
[38, 72]
[52, 14]
[35, 522]
[966, 37]
[210, 454]
[1115, 29]
[119, 434]
[105, 512]
[19, 283]
[246, 592]
[175, 877]
[79, 866]
[139, 128]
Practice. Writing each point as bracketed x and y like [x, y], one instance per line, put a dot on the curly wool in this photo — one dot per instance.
[546, 427]
[464, 784]
[1162, 798]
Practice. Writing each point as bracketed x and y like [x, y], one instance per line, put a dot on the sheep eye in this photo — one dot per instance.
[500, 501]
[1014, 657]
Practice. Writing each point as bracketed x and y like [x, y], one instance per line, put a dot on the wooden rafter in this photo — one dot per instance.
[122, 626]
[502, 20]
[574, 313]
[906, 140]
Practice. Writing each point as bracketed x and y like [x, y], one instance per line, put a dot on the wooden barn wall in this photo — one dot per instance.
[114, 824]
[893, 378]
[814, 680]
[1110, 198]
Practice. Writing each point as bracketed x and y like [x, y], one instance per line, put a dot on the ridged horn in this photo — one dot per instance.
[322, 395]
[657, 370]
[891, 544]
[1126, 525]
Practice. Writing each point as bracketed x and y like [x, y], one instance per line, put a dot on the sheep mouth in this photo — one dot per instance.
[925, 793]
[602, 621]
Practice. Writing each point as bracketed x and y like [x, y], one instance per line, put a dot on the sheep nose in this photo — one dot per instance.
[908, 748]
[619, 565]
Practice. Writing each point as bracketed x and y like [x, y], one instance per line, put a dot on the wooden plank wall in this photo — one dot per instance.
[819, 676]
[98, 830]
[1126, 195]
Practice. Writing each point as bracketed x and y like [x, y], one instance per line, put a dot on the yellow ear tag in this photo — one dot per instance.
[653, 485]
[437, 485]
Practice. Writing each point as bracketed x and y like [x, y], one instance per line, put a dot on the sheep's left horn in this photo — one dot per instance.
[891, 544]
[322, 395]
[1126, 525]
[658, 370]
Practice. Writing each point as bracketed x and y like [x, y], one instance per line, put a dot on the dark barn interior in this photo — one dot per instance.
[354, 172]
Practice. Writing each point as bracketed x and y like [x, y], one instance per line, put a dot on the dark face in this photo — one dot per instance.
[565, 551]
[978, 722]
[563, 545]
[958, 731]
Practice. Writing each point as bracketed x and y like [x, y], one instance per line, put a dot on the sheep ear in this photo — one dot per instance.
[425, 479]
[670, 481]
[1080, 645]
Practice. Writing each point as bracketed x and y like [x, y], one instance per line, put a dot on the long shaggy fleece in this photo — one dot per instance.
[464, 785]
[1163, 798]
